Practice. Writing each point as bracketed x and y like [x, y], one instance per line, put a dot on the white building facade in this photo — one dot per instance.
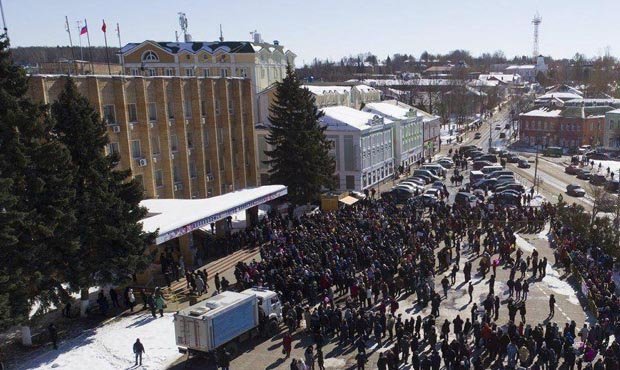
[363, 147]
[406, 132]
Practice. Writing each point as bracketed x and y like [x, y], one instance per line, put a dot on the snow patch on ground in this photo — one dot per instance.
[524, 244]
[335, 362]
[544, 234]
[552, 281]
[111, 346]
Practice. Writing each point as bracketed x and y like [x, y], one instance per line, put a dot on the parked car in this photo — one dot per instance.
[502, 153]
[505, 199]
[517, 187]
[446, 163]
[598, 180]
[438, 185]
[612, 186]
[493, 150]
[502, 135]
[571, 169]
[575, 190]
[434, 192]
[412, 184]
[512, 158]
[498, 127]
[583, 174]
[488, 157]
[485, 184]
[508, 192]
[427, 199]
[465, 199]
[398, 194]
[523, 163]
[598, 156]
[427, 173]
[478, 165]
[436, 169]
[477, 135]
[507, 126]
[475, 154]
[496, 174]
[417, 180]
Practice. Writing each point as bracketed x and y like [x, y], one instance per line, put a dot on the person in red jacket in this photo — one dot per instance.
[287, 342]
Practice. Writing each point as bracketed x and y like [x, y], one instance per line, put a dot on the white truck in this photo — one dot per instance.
[226, 319]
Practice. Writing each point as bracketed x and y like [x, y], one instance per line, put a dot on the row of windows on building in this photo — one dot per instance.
[136, 149]
[109, 110]
[546, 126]
[613, 125]
[376, 175]
[188, 72]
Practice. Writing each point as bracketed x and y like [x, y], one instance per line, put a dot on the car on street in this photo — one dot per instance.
[571, 169]
[507, 126]
[502, 153]
[583, 174]
[477, 135]
[508, 192]
[523, 163]
[498, 127]
[412, 184]
[598, 180]
[426, 199]
[502, 135]
[493, 150]
[434, 192]
[512, 158]
[478, 165]
[474, 154]
[575, 190]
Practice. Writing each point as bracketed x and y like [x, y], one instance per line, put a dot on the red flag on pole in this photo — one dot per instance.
[83, 30]
[103, 27]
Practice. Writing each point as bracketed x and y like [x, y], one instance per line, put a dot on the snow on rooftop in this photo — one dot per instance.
[365, 88]
[391, 111]
[543, 113]
[109, 347]
[560, 95]
[176, 217]
[343, 118]
[525, 66]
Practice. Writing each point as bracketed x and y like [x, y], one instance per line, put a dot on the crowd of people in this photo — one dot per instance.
[343, 275]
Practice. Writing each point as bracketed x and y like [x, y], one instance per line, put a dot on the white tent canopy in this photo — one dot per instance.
[176, 217]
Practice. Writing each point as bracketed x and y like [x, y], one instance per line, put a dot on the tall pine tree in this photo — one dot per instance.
[36, 199]
[300, 156]
[107, 207]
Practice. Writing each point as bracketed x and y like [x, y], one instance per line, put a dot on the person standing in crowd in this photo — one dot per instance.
[131, 299]
[53, 332]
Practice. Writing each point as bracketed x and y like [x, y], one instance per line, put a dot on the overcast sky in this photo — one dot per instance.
[335, 28]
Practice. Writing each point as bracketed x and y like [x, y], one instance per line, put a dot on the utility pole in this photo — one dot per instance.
[536, 168]
[490, 133]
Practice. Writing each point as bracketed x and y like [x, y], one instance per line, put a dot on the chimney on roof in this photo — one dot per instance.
[276, 42]
[221, 34]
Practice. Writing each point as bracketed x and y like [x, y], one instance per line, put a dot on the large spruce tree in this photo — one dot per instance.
[107, 207]
[300, 156]
[36, 200]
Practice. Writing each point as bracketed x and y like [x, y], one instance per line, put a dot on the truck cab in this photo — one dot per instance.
[268, 301]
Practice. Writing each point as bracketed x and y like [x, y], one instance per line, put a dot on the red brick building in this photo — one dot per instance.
[567, 127]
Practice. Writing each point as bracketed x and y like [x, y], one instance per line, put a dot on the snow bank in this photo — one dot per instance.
[524, 244]
[552, 281]
[111, 346]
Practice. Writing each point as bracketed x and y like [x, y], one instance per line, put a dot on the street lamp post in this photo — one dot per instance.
[536, 167]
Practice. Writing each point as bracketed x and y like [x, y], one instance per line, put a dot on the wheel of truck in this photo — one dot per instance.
[273, 328]
[232, 349]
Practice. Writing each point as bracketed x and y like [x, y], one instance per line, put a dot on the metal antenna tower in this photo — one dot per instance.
[536, 22]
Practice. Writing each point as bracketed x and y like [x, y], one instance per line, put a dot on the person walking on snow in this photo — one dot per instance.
[138, 350]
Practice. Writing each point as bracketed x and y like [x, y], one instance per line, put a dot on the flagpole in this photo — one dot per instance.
[90, 49]
[105, 39]
[79, 28]
[70, 44]
[120, 47]
[6, 30]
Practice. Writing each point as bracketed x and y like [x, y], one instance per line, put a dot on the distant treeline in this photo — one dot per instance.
[33, 55]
